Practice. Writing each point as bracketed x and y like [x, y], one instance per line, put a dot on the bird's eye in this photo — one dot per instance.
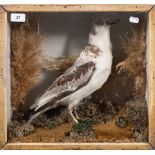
[98, 22]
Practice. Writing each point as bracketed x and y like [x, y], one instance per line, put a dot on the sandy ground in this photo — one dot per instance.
[108, 132]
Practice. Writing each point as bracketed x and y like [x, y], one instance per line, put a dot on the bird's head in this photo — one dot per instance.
[104, 21]
[101, 24]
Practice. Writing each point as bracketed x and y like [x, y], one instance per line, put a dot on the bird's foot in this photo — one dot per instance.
[120, 66]
[76, 113]
[75, 120]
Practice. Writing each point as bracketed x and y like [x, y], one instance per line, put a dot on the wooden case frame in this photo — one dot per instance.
[6, 9]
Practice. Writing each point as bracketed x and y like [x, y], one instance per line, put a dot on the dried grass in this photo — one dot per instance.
[134, 64]
[134, 47]
[135, 109]
[25, 64]
[59, 64]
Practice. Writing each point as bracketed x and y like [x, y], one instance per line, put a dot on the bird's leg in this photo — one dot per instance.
[71, 107]
[76, 114]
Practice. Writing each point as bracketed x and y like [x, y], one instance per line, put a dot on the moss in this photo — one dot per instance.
[19, 129]
[50, 123]
[83, 125]
[136, 112]
[95, 111]
[121, 122]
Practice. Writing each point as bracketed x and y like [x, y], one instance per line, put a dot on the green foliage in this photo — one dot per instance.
[121, 122]
[83, 125]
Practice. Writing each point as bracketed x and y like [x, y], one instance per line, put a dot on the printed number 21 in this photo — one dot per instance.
[17, 17]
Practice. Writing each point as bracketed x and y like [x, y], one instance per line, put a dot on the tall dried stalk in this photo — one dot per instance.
[25, 64]
[59, 64]
[134, 47]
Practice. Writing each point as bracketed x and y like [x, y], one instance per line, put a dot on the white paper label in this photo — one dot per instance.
[18, 17]
[134, 19]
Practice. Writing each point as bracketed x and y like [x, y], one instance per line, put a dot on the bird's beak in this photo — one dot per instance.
[114, 22]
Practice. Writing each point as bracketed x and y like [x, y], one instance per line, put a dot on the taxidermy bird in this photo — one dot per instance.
[88, 73]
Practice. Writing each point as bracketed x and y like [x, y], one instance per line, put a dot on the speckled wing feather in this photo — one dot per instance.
[72, 80]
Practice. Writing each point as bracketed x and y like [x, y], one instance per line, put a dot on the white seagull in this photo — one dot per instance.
[89, 72]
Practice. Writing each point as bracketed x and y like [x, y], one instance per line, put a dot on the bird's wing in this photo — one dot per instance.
[72, 80]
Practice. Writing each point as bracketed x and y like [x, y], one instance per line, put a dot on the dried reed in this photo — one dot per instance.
[134, 47]
[25, 64]
[59, 64]
[134, 64]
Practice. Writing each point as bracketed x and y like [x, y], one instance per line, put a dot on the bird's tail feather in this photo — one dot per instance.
[31, 114]
[36, 110]
[37, 113]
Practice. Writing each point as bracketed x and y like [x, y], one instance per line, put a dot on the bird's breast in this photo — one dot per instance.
[102, 71]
